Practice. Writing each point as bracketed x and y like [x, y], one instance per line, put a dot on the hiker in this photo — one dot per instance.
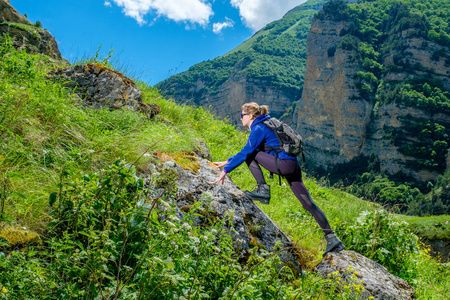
[252, 116]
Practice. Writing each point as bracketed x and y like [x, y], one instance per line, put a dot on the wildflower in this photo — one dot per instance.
[213, 231]
[225, 291]
[174, 245]
[4, 290]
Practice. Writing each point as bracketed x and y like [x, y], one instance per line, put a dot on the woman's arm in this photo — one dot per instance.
[255, 138]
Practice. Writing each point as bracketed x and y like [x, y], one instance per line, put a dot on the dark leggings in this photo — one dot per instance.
[293, 174]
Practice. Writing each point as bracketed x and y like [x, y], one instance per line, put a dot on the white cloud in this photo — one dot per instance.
[257, 13]
[190, 11]
[108, 3]
[217, 27]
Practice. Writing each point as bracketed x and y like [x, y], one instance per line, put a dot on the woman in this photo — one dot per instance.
[252, 116]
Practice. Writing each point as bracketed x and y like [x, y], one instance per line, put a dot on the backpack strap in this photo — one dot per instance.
[278, 169]
[270, 124]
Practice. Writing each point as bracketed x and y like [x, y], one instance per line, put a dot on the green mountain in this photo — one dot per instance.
[269, 67]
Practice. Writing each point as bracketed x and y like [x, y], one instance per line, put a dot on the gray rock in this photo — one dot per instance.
[101, 87]
[202, 150]
[340, 124]
[250, 226]
[375, 278]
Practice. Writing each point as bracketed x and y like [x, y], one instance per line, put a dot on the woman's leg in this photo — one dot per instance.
[255, 169]
[291, 170]
[300, 191]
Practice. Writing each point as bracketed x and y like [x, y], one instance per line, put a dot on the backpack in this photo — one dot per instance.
[290, 141]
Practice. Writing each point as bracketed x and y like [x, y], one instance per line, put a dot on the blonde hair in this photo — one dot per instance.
[254, 109]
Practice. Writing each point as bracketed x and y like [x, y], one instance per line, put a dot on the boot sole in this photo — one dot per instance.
[260, 199]
[338, 248]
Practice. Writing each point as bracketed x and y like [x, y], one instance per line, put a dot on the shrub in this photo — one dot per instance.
[378, 236]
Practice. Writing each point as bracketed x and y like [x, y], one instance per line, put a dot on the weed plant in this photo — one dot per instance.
[71, 174]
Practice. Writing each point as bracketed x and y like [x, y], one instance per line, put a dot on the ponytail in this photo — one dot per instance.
[254, 109]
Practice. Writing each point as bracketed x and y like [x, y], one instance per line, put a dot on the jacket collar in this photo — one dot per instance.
[259, 119]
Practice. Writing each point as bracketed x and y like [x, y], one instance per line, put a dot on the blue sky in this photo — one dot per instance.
[152, 39]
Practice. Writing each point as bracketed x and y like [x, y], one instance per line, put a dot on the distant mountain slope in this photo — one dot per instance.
[269, 68]
[376, 95]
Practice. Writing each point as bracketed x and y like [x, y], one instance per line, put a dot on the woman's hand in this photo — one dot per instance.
[220, 164]
[221, 178]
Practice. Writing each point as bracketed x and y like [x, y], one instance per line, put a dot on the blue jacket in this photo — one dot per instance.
[259, 134]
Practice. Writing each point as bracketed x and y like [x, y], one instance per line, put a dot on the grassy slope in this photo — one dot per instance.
[306, 9]
[46, 133]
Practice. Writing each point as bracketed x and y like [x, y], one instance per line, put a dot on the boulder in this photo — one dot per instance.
[102, 87]
[250, 226]
[376, 279]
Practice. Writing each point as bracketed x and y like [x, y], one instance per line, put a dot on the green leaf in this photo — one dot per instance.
[52, 198]
[14, 175]
[18, 195]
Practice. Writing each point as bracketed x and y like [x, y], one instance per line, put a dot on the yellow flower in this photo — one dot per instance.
[4, 290]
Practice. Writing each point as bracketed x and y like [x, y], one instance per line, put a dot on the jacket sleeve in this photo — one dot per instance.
[255, 139]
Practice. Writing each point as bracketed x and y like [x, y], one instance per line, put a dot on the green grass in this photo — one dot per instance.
[432, 228]
[49, 140]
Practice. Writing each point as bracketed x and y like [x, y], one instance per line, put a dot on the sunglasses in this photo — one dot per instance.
[243, 115]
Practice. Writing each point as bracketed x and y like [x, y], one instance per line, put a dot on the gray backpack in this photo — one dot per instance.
[290, 140]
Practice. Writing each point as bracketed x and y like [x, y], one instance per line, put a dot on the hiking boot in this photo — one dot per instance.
[334, 244]
[261, 193]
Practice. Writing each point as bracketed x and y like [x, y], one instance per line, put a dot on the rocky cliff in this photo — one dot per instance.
[383, 102]
[238, 89]
[26, 35]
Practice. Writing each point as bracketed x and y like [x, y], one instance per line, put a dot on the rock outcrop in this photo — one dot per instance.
[10, 14]
[26, 35]
[101, 87]
[333, 125]
[349, 267]
[251, 227]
